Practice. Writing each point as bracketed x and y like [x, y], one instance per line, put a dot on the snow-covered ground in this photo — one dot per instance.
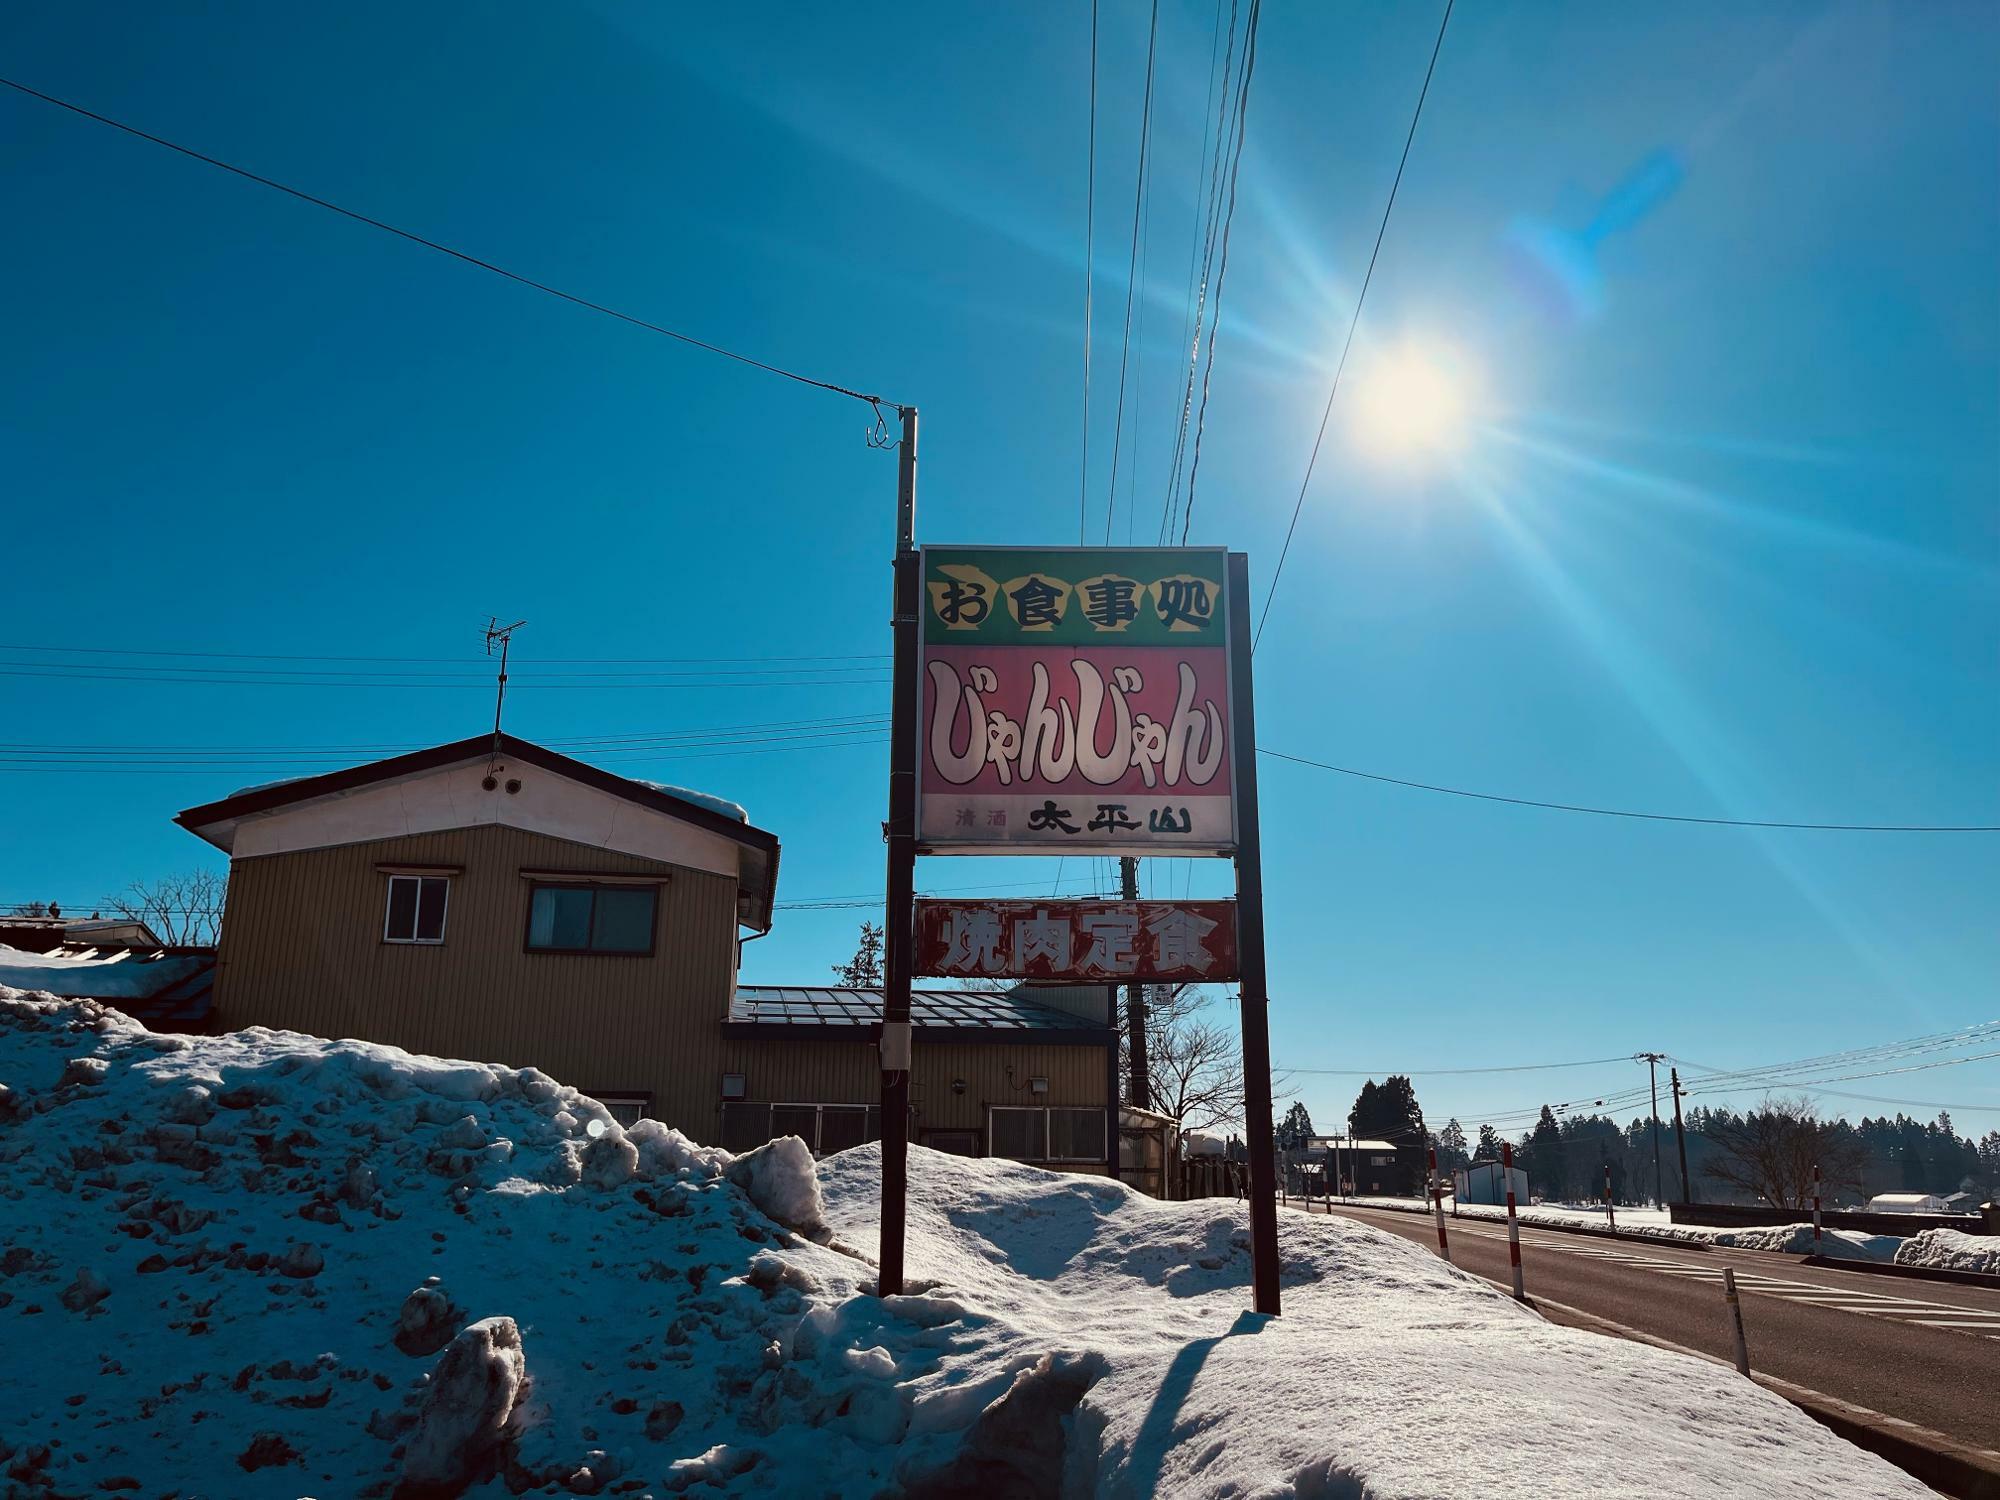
[1951, 1250]
[264, 1265]
[1654, 1224]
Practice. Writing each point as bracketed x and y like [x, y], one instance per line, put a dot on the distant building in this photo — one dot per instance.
[1486, 1182]
[46, 934]
[1371, 1168]
[504, 902]
[1905, 1203]
[169, 989]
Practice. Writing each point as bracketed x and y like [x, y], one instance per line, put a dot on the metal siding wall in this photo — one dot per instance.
[302, 950]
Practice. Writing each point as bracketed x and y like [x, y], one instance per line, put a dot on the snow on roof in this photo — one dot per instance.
[117, 976]
[653, 1309]
[708, 800]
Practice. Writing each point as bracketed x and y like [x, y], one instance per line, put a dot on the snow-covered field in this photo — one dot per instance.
[1654, 1224]
[265, 1265]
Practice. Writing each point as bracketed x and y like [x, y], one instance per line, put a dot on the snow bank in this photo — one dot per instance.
[1952, 1250]
[1652, 1224]
[264, 1265]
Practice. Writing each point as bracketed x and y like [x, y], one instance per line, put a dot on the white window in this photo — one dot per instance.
[1051, 1134]
[416, 909]
[627, 1109]
[826, 1128]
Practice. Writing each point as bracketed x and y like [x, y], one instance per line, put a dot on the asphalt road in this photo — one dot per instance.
[1925, 1351]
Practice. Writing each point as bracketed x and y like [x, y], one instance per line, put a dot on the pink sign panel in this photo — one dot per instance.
[1075, 700]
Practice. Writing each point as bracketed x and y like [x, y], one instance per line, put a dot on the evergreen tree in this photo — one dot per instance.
[1489, 1143]
[1450, 1143]
[1295, 1130]
[1542, 1155]
[864, 970]
[1389, 1112]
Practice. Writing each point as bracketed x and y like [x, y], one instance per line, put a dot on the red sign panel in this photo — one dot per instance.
[1081, 941]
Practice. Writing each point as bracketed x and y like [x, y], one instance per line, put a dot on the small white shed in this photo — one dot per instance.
[1486, 1182]
[1906, 1203]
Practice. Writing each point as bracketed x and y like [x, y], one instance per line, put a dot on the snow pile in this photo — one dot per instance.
[1130, 1313]
[1951, 1250]
[121, 978]
[1651, 1224]
[267, 1265]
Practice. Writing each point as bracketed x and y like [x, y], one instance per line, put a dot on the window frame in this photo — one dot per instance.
[1047, 1138]
[651, 888]
[416, 912]
[871, 1119]
[615, 1099]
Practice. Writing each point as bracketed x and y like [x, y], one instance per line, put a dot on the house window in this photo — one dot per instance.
[1052, 1134]
[627, 1109]
[416, 909]
[825, 1128]
[592, 918]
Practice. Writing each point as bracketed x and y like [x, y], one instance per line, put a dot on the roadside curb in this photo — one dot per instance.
[1937, 1459]
[1914, 1273]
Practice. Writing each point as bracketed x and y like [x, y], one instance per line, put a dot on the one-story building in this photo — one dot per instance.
[1487, 1182]
[494, 899]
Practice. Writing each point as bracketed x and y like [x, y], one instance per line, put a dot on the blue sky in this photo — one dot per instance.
[1723, 539]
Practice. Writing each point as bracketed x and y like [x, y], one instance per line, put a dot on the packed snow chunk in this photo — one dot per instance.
[610, 1160]
[466, 1410]
[1951, 1250]
[780, 1179]
[427, 1319]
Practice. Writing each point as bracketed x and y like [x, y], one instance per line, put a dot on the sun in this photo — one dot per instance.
[1413, 403]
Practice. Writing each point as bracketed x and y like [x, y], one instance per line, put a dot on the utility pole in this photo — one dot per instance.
[1680, 1137]
[504, 634]
[1140, 1088]
[1652, 1061]
[901, 833]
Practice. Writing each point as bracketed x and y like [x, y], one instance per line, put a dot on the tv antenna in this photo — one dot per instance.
[504, 634]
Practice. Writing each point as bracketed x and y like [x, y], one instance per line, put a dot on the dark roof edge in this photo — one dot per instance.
[267, 799]
[870, 1032]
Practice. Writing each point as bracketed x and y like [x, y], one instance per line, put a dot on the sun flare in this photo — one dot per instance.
[1414, 403]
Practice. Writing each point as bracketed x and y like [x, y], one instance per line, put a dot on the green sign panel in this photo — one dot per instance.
[1099, 596]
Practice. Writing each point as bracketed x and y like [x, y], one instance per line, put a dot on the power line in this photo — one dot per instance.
[1353, 323]
[1089, 277]
[1616, 812]
[1205, 239]
[1588, 1062]
[1132, 272]
[465, 661]
[337, 682]
[1222, 266]
[443, 249]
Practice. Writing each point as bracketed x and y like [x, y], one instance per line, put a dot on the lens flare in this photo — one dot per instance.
[1414, 403]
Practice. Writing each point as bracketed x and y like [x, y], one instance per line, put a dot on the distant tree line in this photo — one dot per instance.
[1764, 1153]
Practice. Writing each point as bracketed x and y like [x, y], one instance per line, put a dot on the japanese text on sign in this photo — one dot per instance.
[1075, 697]
[1077, 940]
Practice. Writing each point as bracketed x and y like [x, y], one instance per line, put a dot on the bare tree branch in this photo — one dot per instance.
[181, 910]
[1771, 1152]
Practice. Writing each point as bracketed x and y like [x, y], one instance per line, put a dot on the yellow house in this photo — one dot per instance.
[494, 899]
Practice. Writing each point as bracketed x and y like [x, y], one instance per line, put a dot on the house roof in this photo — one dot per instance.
[216, 821]
[164, 988]
[779, 1011]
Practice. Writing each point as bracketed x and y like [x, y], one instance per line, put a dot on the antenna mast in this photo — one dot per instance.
[504, 634]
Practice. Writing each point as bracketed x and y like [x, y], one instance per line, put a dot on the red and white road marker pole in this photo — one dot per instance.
[1513, 1226]
[1610, 1209]
[1815, 1206]
[1437, 1205]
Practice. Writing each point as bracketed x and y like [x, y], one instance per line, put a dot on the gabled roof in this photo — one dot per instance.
[216, 821]
[781, 1011]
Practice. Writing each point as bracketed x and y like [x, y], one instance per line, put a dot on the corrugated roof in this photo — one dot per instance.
[940, 1010]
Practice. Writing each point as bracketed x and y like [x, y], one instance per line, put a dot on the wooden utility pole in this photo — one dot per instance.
[1653, 1061]
[1140, 1088]
[901, 833]
[1254, 990]
[1680, 1136]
